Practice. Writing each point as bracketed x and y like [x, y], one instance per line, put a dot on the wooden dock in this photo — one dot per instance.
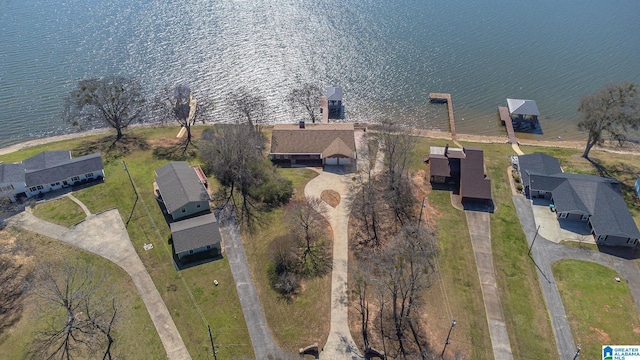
[506, 120]
[444, 97]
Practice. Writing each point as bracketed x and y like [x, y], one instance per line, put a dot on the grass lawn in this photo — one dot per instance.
[305, 319]
[134, 329]
[62, 211]
[190, 295]
[600, 310]
[525, 312]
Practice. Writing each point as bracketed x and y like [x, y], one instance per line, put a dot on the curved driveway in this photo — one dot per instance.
[340, 344]
[89, 235]
[545, 253]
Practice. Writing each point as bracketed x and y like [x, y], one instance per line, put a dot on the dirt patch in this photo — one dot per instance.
[601, 335]
[330, 197]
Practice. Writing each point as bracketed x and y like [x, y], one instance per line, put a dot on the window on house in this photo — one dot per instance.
[40, 187]
[75, 178]
[184, 210]
[53, 184]
[563, 215]
[88, 175]
[33, 188]
[198, 206]
[208, 246]
[584, 217]
[190, 251]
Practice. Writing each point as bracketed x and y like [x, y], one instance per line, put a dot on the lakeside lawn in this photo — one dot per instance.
[600, 310]
[133, 330]
[304, 319]
[190, 295]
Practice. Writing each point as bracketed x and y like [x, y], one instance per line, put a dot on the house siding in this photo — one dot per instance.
[190, 209]
[215, 250]
[612, 240]
[70, 181]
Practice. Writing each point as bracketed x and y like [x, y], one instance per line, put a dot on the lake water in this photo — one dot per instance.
[388, 56]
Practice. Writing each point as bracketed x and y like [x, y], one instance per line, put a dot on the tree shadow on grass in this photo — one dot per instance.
[177, 152]
[111, 147]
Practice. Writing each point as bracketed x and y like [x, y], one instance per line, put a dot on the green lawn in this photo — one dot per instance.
[62, 211]
[134, 330]
[190, 295]
[303, 320]
[600, 310]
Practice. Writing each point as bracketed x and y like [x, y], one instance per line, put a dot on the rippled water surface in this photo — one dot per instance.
[387, 55]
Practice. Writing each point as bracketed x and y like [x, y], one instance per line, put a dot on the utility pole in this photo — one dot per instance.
[213, 347]
[421, 208]
[453, 324]
[577, 352]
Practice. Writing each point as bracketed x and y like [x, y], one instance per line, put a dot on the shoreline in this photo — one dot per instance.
[629, 148]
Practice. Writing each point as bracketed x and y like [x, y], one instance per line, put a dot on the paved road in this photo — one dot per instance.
[264, 346]
[479, 224]
[105, 235]
[545, 253]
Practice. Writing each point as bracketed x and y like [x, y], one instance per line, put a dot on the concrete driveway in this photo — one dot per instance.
[340, 344]
[545, 252]
[105, 235]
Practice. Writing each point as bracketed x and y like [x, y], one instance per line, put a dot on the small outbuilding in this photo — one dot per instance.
[523, 113]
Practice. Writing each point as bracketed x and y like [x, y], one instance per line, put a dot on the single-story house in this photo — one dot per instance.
[196, 235]
[47, 171]
[462, 167]
[594, 199]
[181, 189]
[334, 99]
[313, 144]
[537, 163]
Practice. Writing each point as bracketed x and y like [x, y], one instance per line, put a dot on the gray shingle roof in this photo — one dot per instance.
[598, 197]
[11, 173]
[179, 185]
[195, 233]
[46, 159]
[64, 170]
[334, 93]
[522, 107]
[325, 139]
[537, 163]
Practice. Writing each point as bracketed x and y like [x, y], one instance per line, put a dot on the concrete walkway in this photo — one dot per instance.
[264, 346]
[340, 344]
[105, 235]
[545, 252]
[479, 224]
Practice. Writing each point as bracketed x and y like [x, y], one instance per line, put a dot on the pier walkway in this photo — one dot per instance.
[511, 134]
[445, 97]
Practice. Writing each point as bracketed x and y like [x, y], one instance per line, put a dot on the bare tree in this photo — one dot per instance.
[234, 154]
[609, 113]
[398, 150]
[306, 217]
[80, 313]
[113, 101]
[404, 270]
[359, 294]
[248, 106]
[180, 104]
[283, 272]
[306, 97]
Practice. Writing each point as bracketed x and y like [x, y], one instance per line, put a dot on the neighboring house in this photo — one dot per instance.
[463, 168]
[181, 189]
[313, 144]
[196, 235]
[47, 171]
[334, 98]
[596, 200]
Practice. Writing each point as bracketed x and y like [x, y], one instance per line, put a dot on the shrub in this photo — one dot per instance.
[517, 179]
[282, 270]
[519, 187]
